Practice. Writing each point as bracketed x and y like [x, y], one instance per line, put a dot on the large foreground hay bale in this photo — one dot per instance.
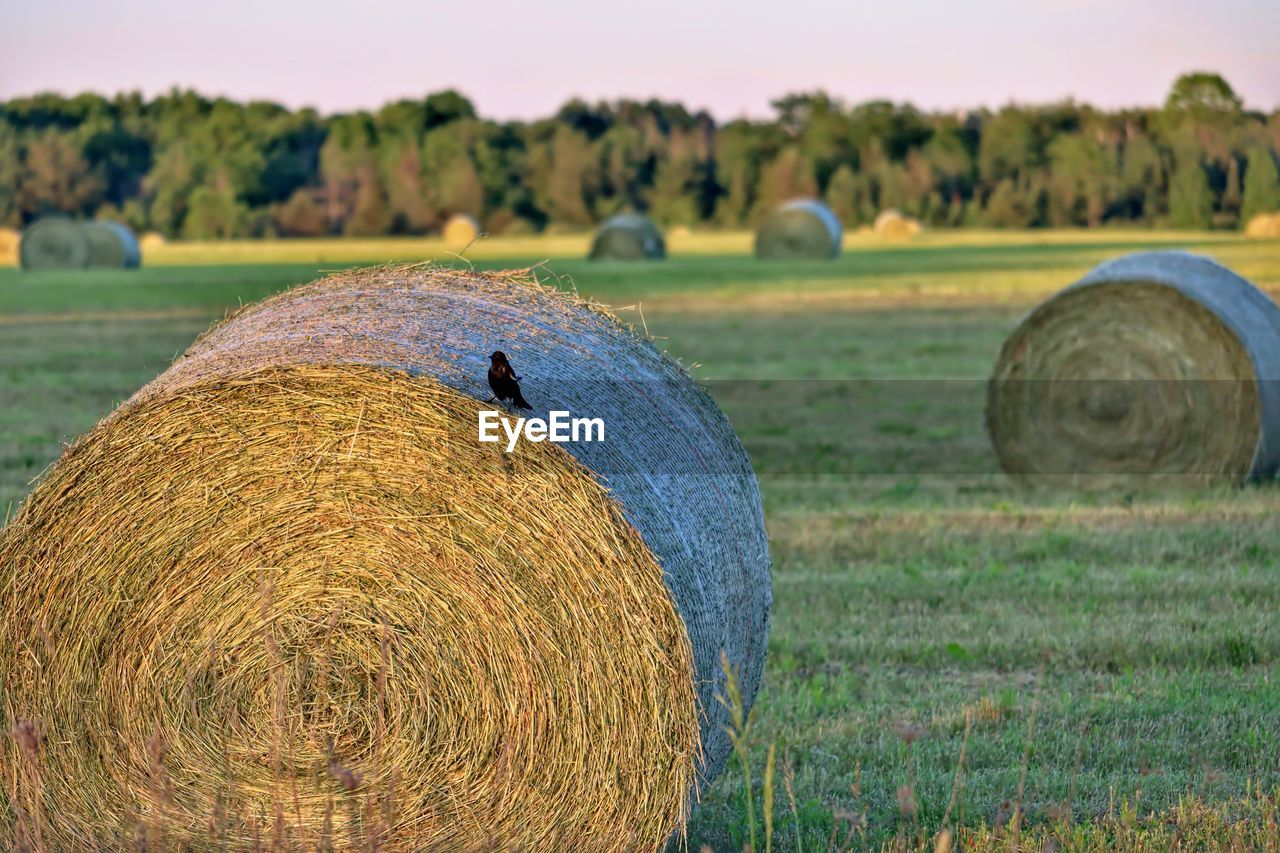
[284, 581]
[112, 246]
[1264, 226]
[54, 243]
[628, 237]
[1156, 369]
[801, 229]
[460, 231]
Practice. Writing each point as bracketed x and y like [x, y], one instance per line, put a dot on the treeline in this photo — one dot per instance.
[190, 166]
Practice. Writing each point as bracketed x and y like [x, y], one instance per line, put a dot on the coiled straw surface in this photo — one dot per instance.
[284, 593]
[1157, 369]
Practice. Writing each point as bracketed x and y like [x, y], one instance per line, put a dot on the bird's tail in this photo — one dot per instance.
[520, 401]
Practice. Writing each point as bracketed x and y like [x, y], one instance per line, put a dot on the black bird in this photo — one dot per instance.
[503, 381]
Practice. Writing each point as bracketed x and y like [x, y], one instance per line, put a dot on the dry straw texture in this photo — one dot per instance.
[1157, 369]
[283, 593]
[801, 229]
[460, 231]
[628, 237]
[54, 243]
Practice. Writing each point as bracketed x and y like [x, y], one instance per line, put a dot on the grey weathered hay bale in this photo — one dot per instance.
[112, 245]
[1156, 369]
[801, 229]
[460, 231]
[54, 243]
[628, 237]
[547, 686]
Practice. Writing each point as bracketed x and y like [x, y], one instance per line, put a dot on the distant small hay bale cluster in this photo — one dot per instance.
[289, 584]
[628, 237]
[59, 243]
[1264, 226]
[892, 225]
[1157, 369]
[800, 229]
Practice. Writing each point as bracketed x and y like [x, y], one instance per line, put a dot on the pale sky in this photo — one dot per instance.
[523, 58]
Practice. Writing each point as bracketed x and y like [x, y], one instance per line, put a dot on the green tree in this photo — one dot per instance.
[842, 194]
[1190, 200]
[1261, 185]
[213, 213]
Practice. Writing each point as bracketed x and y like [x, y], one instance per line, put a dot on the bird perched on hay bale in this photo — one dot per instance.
[503, 381]
[54, 243]
[460, 231]
[1264, 226]
[892, 225]
[801, 229]
[112, 245]
[1156, 369]
[628, 237]
[283, 593]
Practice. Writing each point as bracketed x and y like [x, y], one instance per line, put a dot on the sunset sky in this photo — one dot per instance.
[520, 59]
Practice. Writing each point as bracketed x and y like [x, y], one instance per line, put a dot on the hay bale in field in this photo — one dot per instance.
[1156, 369]
[9, 240]
[150, 240]
[112, 245]
[1264, 226]
[54, 243]
[801, 229]
[892, 225]
[460, 231]
[288, 567]
[628, 237]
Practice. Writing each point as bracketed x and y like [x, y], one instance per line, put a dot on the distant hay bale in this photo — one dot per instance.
[112, 246]
[1264, 226]
[1156, 369]
[284, 580]
[801, 229]
[892, 225]
[151, 240]
[460, 231]
[628, 237]
[54, 243]
[9, 240]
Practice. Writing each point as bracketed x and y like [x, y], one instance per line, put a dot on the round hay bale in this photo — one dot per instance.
[54, 243]
[112, 245]
[1264, 226]
[286, 579]
[801, 229]
[9, 240]
[1156, 369]
[892, 225]
[151, 240]
[460, 231]
[628, 237]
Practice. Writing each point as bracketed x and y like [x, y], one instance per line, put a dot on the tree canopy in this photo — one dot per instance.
[188, 165]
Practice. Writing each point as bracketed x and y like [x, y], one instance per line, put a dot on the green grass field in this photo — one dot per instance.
[1112, 657]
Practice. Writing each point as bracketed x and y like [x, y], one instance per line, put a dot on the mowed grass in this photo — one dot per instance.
[1110, 656]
